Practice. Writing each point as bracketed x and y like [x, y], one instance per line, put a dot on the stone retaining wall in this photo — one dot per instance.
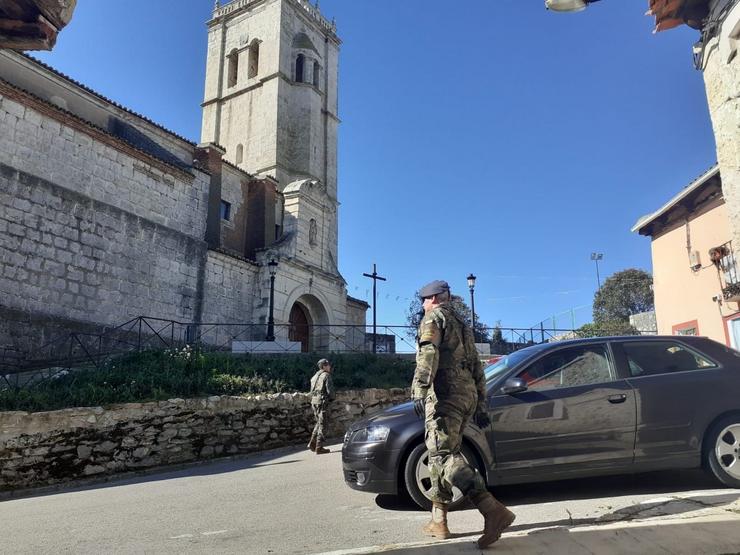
[44, 448]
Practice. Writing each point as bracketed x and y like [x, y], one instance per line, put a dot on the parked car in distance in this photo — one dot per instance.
[573, 409]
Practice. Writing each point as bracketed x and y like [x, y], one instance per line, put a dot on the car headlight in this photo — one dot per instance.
[373, 434]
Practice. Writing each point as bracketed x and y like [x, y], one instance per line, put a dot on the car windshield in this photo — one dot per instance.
[496, 369]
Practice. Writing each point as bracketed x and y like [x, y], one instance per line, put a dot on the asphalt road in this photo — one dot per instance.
[292, 501]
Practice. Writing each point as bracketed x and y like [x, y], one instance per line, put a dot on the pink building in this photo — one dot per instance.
[696, 282]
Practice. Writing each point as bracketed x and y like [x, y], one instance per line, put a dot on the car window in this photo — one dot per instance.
[646, 358]
[505, 363]
[587, 364]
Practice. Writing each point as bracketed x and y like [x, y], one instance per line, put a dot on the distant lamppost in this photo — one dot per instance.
[567, 5]
[471, 285]
[596, 256]
[272, 268]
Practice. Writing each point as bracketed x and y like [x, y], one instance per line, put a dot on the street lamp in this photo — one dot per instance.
[272, 268]
[596, 256]
[567, 5]
[471, 285]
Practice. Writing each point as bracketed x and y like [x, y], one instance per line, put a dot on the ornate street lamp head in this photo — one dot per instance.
[471, 281]
[272, 267]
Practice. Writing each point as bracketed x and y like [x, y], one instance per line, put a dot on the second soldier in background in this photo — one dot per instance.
[322, 393]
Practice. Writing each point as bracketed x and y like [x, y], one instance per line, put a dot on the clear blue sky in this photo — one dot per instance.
[487, 137]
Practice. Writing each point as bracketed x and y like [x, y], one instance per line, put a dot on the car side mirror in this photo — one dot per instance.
[513, 386]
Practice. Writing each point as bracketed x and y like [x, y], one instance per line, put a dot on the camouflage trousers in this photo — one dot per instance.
[445, 421]
[322, 420]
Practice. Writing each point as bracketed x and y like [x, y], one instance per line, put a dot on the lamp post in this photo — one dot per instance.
[272, 268]
[471, 285]
[596, 256]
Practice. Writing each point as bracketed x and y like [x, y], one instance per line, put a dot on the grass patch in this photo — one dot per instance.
[158, 375]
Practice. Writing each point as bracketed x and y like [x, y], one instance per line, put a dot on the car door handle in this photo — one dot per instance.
[615, 399]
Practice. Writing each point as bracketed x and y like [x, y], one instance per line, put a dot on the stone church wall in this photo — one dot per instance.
[229, 286]
[50, 447]
[91, 233]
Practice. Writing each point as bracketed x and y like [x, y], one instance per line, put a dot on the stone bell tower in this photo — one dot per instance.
[271, 103]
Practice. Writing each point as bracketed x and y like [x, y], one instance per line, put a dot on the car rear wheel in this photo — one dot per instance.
[723, 451]
[418, 481]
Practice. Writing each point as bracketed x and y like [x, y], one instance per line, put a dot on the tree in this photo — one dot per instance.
[605, 330]
[623, 294]
[415, 312]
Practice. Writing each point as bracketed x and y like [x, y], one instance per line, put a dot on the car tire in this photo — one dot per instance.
[419, 456]
[722, 451]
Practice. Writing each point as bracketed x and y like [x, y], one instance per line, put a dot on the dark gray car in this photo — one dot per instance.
[574, 409]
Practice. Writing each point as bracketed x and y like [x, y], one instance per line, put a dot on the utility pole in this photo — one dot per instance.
[375, 277]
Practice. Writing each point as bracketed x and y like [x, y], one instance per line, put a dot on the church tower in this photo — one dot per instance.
[271, 103]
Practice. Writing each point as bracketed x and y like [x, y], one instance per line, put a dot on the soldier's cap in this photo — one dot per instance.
[323, 362]
[434, 288]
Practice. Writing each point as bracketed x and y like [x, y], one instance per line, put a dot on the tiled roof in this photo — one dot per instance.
[96, 128]
[106, 99]
[695, 184]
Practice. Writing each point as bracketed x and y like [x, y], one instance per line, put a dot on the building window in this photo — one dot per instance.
[239, 154]
[686, 328]
[300, 62]
[225, 210]
[316, 70]
[729, 269]
[313, 230]
[233, 67]
[254, 59]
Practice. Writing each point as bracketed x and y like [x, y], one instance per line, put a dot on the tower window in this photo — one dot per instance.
[254, 59]
[225, 210]
[300, 61]
[239, 154]
[233, 67]
[316, 70]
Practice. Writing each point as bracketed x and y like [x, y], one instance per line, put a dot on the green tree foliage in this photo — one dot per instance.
[606, 329]
[623, 294]
[415, 312]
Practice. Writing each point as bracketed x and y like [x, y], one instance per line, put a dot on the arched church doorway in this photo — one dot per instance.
[299, 327]
[309, 324]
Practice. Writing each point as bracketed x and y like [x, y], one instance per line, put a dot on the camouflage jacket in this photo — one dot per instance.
[322, 388]
[446, 359]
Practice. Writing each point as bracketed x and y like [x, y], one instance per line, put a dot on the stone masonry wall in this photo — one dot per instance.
[92, 232]
[722, 80]
[229, 289]
[50, 447]
[69, 260]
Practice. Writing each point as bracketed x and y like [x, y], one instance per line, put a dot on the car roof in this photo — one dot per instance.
[589, 340]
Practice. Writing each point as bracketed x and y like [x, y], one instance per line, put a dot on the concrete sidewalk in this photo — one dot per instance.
[713, 531]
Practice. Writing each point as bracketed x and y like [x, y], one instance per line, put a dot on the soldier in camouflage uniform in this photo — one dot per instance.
[449, 389]
[322, 393]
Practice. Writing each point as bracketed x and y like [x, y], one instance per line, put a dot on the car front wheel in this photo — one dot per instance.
[418, 481]
[723, 451]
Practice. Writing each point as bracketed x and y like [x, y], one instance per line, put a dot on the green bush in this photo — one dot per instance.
[158, 375]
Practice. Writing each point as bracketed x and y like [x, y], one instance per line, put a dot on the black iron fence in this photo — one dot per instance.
[91, 350]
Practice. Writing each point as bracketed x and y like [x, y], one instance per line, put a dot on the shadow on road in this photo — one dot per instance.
[196, 468]
[674, 481]
[717, 536]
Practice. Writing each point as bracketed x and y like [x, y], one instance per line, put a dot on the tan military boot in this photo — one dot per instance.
[497, 518]
[320, 450]
[437, 526]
